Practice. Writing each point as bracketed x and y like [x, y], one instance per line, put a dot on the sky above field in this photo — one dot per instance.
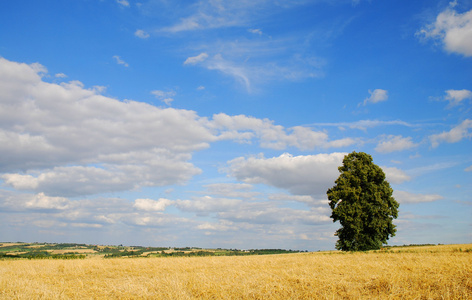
[223, 123]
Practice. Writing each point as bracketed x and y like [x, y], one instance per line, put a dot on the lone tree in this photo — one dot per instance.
[361, 200]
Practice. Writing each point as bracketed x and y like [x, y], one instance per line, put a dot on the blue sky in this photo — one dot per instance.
[222, 123]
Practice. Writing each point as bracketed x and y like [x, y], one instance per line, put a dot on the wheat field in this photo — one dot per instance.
[439, 272]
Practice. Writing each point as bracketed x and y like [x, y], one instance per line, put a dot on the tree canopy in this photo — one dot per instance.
[361, 200]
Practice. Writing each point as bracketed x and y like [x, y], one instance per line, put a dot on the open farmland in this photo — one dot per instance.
[434, 272]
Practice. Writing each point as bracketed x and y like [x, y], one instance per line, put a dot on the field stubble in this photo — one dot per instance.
[444, 272]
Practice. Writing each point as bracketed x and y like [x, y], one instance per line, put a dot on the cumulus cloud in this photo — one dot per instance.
[67, 140]
[452, 29]
[152, 205]
[141, 34]
[65, 134]
[196, 59]
[301, 175]
[246, 128]
[120, 61]
[41, 201]
[393, 143]
[407, 197]
[455, 97]
[455, 135]
[376, 96]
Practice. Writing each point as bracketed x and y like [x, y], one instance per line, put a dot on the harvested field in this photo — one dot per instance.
[439, 272]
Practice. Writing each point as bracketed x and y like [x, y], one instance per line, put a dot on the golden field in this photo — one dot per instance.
[436, 272]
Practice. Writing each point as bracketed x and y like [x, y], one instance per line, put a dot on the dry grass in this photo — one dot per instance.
[442, 272]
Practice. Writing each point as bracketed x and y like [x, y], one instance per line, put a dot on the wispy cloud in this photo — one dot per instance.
[393, 143]
[216, 14]
[407, 197]
[255, 31]
[365, 124]
[255, 62]
[141, 34]
[60, 75]
[120, 61]
[123, 2]
[166, 97]
[454, 135]
[395, 175]
[196, 59]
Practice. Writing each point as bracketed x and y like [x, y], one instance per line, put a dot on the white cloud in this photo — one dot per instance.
[407, 197]
[166, 97]
[365, 124]
[141, 34]
[255, 31]
[455, 97]
[212, 14]
[453, 29]
[196, 59]
[272, 136]
[41, 201]
[455, 135]
[232, 190]
[152, 205]
[307, 199]
[60, 75]
[222, 225]
[468, 169]
[64, 134]
[301, 175]
[123, 2]
[252, 62]
[207, 204]
[123, 175]
[120, 61]
[66, 140]
[395, 175]
[376, 96]
[393, 143]
[266, 213]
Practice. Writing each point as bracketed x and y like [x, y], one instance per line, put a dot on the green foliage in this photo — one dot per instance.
[361, 200]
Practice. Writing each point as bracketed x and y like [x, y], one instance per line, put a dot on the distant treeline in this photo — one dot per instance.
[75, 251]
[190, 252]
[41, 255]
